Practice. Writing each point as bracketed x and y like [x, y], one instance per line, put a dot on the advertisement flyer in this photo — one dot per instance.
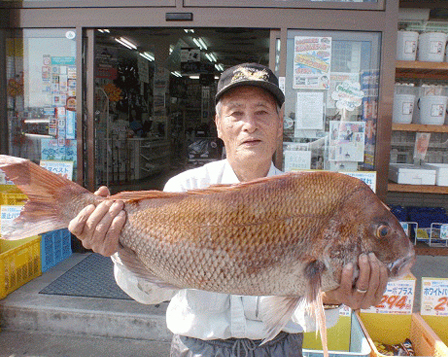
[347, 141]
[309, 111]
[312, 60]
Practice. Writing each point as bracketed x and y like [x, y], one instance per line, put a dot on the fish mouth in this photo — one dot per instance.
[402, 266]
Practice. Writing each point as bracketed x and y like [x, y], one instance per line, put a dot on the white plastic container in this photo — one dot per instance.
[432, 109]
[409, 174]
[441, 173]
[403, 108]
[431, 46]
[407, 42]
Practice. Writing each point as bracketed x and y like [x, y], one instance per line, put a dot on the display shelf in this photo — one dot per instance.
[421, 70]
[395, 187]
[420, 128]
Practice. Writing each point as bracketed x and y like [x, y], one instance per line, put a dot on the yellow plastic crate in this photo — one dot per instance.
[12, 199]
[393, 329]
[9, 188]
[19, 263]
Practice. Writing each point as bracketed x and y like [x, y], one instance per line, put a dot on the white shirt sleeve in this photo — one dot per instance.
[137, 288]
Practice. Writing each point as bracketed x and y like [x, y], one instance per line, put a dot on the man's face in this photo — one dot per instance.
[249, 124]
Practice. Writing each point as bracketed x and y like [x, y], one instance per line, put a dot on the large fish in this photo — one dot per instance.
[287, 236]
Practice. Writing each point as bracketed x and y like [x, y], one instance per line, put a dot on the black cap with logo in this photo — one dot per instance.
[249, 74]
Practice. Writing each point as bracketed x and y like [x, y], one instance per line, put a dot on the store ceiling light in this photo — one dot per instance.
[126, 43]
[176, 73]
[147, 55]
[104, 30]
[211, 57]
[200, 43]
[189, 30]
[219, 67]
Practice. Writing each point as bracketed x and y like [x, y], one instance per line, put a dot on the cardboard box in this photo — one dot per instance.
[412, 174]
[441, 173]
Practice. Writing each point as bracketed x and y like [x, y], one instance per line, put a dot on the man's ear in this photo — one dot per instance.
[280, 119]
[218, 125]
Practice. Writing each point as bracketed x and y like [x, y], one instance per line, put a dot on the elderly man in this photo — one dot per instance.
[248, 121]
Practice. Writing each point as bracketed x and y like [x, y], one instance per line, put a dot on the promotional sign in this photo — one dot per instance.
[312, 59]
[434, 297]
[397, 299]
[63, 168]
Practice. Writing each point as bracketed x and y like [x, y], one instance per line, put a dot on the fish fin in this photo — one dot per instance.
[314, 303]
[132, 263]
[277, 311]
[47, 194]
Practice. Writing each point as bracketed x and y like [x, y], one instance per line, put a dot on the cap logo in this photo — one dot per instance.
[244, 74]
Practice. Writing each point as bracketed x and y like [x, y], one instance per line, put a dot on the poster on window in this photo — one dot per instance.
[312, 59]
[309, 111]
[347, 141]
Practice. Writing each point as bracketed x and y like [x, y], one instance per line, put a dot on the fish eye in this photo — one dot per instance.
[382, 231]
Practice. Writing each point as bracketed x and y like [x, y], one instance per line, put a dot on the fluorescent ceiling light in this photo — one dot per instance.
[211, 57]
[193, 77]
[176, 73]
[36, 121]
[201, 41]
[196, 42]
[189, 30]
[126, 43]
[147, 55]
[37, 136]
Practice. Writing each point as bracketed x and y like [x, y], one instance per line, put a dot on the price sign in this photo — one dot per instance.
[434, 299]
[397, 299]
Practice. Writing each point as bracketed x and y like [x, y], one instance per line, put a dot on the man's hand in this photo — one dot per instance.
[369, 287]
[98, 228]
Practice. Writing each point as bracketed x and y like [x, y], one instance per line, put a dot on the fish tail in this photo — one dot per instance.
[48, 194]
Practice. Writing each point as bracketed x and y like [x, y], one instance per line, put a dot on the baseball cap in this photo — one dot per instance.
[249, 74]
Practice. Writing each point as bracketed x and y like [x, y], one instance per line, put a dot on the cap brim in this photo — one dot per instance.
[271, 88]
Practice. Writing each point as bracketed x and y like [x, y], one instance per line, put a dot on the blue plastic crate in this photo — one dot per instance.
[55, 247]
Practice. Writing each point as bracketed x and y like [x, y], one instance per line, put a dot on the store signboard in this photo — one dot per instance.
[434, 297]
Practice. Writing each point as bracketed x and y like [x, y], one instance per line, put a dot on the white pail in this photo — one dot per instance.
[403, 108]
[431, 46]
[432, 109]
[407, 45]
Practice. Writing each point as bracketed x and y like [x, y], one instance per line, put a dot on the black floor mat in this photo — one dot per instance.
[92, 277]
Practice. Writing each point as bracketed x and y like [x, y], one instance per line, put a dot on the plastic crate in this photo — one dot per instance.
[11, 198]
[346, 338]
[55, 247]
[393, 329]
[19, 263]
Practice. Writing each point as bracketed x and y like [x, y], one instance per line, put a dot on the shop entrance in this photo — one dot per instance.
[154, 99]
